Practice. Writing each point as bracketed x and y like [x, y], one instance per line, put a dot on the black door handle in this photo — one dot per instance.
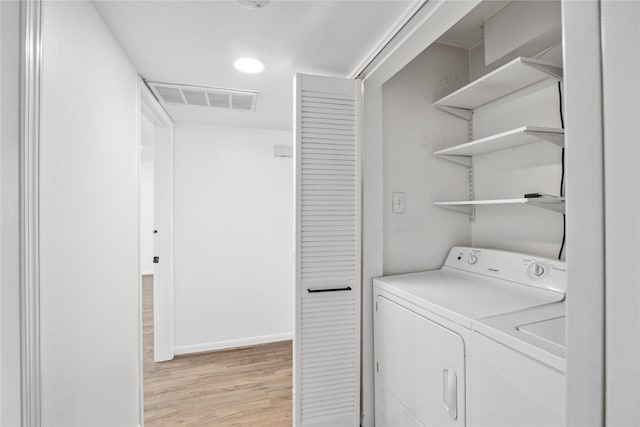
[311, 291]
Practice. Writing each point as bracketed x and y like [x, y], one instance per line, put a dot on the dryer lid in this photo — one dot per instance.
[463, 297]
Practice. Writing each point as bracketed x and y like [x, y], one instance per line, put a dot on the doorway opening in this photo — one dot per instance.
[231, 381]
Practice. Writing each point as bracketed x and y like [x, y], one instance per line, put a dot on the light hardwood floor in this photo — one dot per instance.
[248, 386]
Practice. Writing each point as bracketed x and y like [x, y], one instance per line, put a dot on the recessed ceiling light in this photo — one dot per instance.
[248, 65]
[254, 4]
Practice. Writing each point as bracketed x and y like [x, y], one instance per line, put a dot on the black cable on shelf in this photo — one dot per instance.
[562, 176]
[564, 235]
[564, 217]
[561, 124]
[560, 104]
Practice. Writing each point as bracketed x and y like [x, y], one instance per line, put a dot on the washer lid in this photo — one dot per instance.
[463, 297]
[538, 332]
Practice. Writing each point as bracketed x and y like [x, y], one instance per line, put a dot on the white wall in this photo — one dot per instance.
[9, 223]
[621, 96]
[147, 132]
[233, 230]
[89, 223]
[582, 33]
[413, 130]
[420, 238]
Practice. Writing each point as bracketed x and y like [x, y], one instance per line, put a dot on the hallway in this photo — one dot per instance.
[245, 386]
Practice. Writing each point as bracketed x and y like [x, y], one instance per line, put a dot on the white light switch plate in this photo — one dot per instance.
[398, 202]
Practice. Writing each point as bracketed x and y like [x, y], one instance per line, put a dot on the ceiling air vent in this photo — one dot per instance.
[200, 96]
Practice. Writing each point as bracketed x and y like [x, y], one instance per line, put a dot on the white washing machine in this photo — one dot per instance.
[423, 328]
[517, 369]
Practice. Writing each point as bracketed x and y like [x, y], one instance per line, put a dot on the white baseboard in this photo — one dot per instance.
[242, 342]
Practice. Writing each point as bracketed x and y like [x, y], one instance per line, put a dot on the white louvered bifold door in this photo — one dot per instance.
[327, 339]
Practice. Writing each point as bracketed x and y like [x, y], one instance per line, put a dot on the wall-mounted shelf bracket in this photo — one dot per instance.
[458, 112]
[554, 137]
[465, 209]
[553, 72]
[459, 160]
[554, 204]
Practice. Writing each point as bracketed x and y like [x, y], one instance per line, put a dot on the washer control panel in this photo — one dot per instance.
[516, 267]
[538, 270]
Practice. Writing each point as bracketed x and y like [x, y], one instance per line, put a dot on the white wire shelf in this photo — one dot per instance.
[552, 203]
[510, 139]
[511, 77]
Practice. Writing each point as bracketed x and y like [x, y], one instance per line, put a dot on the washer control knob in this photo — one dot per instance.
[538, 270]
[472, 259]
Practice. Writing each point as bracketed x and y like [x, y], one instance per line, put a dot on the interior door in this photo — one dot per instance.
[162, 224]
[327, 185]
[420, 379]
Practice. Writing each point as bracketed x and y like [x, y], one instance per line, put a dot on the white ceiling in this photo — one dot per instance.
[197, 42]
[469, 31]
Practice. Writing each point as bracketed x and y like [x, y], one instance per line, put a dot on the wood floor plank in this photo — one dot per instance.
[248, 386]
